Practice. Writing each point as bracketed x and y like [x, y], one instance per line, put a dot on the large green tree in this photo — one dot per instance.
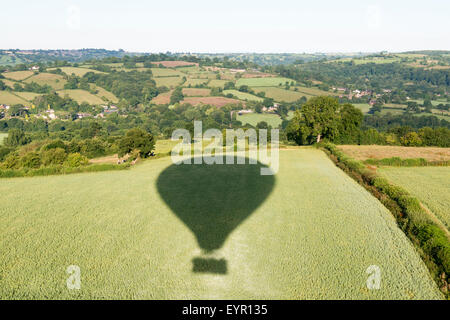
[324, 118]
[318, 119]
[139, 140]
[16, 137]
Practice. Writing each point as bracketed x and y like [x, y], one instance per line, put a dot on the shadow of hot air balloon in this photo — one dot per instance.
[212, 201]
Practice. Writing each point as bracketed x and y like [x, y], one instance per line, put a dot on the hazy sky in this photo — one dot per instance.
[227, 25]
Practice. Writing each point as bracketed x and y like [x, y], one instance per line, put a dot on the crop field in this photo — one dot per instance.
[3, 135]
[263, 82]
[10, 99]
[364, 107]
[163, 72]
[431, 185]
[270, 237]
[189, 69]
[382, 152]
[175, 64]
[204, 75]
[163, 98]
[29, 96]
[253, 119]
[281, 95]
[391, 111]
[312, 91]
[214, 101]
[18, 75]
[105, 93]
[194, 92]
[243, 95]
[169, 82]
[217, 83]
[80, 72]
[9, 83]
[376, 60]
[194, 82]
[81, 96]
[55, 81]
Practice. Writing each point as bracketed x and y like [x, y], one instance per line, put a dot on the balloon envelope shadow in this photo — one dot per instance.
[212, 200]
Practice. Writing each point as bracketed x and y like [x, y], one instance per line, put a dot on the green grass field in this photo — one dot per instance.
[253, 119]
[3, 135]
[431, 185]
[263, 82]
[243, 95]
[281, 95]
[310, 232]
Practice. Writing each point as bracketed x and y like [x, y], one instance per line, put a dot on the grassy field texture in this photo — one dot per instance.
[430, 185]
[81, 96]
[243, 95]
[3, 135]
[263, 82]
[309, 232]
[9, 98]
[382, 152]
[195, 82]
[281, 95]
[80, 72]
[253, 119]
[55, 81]
[18, 75]
[167, 81]
[29, 96]
[102, 93]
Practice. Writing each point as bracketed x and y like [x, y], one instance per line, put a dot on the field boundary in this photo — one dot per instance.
[59, 170]
[410, 162]
[427, 236]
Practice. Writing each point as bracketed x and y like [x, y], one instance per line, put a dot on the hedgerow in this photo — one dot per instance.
[430, 240]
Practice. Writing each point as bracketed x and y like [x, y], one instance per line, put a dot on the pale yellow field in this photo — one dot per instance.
[167, 81]
[10, 99]
[29, 96]
[18, 75]
[382, 152]
[163, 72]
[56, 81]
[105, 93]
[279, 94]
[217, 83]
[81, 96]
[9, 83]
[77, 71]
[194, 82]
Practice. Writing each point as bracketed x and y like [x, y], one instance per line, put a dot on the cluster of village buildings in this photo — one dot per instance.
[359, 94]
[50, 114]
